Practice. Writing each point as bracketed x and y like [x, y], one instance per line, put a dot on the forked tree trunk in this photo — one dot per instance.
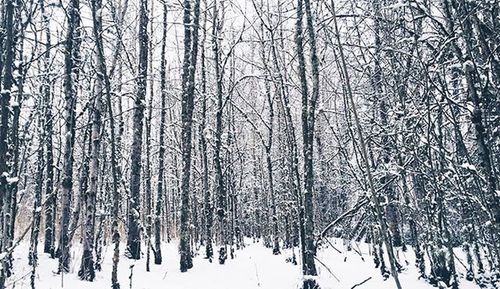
[86, 271]
[308, 120]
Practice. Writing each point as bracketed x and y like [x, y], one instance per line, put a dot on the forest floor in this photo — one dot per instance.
[253, 267]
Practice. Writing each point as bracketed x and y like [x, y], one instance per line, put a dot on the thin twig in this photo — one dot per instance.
[359, 284]
[327, 269]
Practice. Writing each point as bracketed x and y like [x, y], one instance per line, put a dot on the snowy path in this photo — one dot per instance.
[254, 267]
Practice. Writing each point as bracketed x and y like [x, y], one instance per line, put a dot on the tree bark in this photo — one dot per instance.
[147, 170]
[37, 200]
[207, 198]
[71, 71]
[308, 120]
[86, 271]
[188, 78]
[391, 210]
[161, 156]
[50, 192]
[134, 227]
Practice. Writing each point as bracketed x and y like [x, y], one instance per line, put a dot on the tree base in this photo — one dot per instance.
[157, 257]
[310, 284]
[87, 271]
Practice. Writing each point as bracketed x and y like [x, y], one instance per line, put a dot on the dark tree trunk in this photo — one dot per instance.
[220, 189]
[207, 198]
[37, 200]
[50, 192]
[268, 149]
[188, 79]
[134, 228]
[147, 170]
[71, 71]
[161, 156]
[86, 271]
[6, 66]
[308, 120]
[115, 169]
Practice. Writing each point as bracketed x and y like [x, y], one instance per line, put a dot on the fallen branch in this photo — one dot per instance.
[330, 271]
[359, 284]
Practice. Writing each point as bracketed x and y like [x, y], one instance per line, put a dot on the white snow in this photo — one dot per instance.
[253, 267]
[12, 180]
[468, 166]
[13, 103]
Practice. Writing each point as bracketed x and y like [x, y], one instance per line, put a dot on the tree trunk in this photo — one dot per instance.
[207, 198]
[268, 149]
[147, 170]
[50, 193]
[188, 78]
[134, 228]
[71, 71]
[161, 156]
[115, 169]
[220, 189]
[86, 271]
[37, 200]
[6, 82]
[391, 211]
[308, 119]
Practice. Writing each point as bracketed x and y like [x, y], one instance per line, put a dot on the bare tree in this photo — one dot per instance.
[71, 71]
[188, 85]
[134, 228]
[161, 153]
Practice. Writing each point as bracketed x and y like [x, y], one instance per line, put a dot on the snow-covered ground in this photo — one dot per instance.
[253, 267]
